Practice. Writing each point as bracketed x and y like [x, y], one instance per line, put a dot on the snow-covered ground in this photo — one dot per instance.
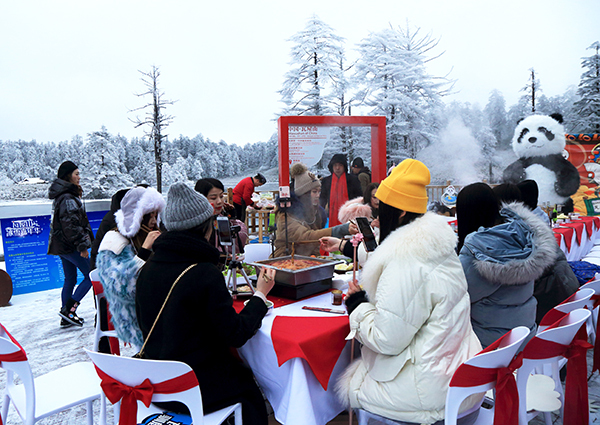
[33, 320]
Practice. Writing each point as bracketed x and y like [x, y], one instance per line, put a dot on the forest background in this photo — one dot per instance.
[458, 141]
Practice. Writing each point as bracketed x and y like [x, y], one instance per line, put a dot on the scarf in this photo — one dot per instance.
[337, 197]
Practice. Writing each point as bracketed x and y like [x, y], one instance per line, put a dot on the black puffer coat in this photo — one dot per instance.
[199, 325]
[71, 231]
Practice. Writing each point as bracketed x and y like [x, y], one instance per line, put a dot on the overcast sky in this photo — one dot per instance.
[69, 67]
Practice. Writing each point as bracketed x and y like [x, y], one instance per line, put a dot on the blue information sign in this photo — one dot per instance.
[25, 242]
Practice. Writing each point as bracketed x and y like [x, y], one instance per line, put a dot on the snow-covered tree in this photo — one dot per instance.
[532, 90]
[495, 112]
[103, 168]
[154, 117]
[315, 82]
[393, 81]
[587, 109]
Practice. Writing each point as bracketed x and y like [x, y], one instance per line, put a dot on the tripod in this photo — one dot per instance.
[234, 266]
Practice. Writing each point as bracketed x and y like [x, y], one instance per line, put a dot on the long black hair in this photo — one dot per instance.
[204, 186]
[389, 219]
[476, 206]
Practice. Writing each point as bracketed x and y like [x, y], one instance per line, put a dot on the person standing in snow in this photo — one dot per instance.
[123, 252]
[242, 194]
[338, 188]
[70, 238]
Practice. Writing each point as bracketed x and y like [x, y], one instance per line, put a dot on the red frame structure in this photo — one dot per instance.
[378, 140]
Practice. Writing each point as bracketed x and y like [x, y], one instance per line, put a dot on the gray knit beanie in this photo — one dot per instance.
[186, 208]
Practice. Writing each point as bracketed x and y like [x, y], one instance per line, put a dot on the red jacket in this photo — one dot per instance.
[243, 191]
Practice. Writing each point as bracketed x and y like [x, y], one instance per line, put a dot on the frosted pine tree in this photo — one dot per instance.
[495, 112]
[103, 165]
[587, 109]
[393, 81]
[312, 85]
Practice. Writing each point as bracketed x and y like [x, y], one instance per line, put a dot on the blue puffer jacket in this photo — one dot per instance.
[118, 267]
[501, 264]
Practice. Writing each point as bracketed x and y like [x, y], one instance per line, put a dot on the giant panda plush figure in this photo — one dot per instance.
[539, 142]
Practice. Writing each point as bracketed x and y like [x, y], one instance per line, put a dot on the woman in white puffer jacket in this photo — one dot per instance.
[413, 314]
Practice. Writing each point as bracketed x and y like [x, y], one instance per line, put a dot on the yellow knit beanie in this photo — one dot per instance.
[405, 188]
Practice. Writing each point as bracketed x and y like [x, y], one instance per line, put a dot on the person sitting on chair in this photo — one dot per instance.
[123, 251]
[198, 324]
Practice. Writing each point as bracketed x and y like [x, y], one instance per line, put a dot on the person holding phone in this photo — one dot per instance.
[199, 325]
[123, 252]
[411, 309]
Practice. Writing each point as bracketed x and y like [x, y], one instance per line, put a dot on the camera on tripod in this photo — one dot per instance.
[226, 234]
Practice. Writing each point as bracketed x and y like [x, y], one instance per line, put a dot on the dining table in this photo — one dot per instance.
[577, 237]
[296, 357]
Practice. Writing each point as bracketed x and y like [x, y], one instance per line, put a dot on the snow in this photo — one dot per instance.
[33, 320]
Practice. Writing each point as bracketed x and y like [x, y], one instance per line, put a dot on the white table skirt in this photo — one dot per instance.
[295, 394]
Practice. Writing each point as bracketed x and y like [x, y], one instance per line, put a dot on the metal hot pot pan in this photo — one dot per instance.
[318, 272]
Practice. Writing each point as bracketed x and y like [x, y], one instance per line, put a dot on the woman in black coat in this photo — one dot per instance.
[199, 325]
[70, 238]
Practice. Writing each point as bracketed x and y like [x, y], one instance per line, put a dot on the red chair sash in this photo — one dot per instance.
[506, 409]
[117, 391]
[576, 389]
[555, 315]
[596, 365]
[17, 356]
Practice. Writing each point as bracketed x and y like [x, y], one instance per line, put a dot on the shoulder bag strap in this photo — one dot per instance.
[141, 352]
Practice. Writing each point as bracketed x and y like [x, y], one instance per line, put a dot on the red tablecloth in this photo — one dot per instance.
[588, 224]
[578, 229]
[567, 232]
[318, 340]
[238, 304]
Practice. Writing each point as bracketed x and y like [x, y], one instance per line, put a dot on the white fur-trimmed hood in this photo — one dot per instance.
[136, 203]
[511, 265]
[428, 239]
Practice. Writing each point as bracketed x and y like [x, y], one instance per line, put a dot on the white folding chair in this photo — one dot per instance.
[579, 299]
[500, 357]
[563, 334]
[102, 303]
[132, 372]
[592, 323]
[46, 395]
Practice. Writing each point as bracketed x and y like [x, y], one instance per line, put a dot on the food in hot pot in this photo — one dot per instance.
[294, 264]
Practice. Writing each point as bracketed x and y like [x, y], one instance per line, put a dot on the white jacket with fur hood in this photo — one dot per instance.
[416, 327]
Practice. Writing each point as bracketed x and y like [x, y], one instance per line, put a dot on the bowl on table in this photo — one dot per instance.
[269, 305]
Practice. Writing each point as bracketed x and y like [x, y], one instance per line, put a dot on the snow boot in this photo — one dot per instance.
[68, 313]
[64, 324]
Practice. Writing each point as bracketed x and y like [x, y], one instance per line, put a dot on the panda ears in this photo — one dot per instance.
[557, 117]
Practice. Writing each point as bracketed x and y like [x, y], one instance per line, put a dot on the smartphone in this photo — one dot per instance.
[224, 231]
[369, 237]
